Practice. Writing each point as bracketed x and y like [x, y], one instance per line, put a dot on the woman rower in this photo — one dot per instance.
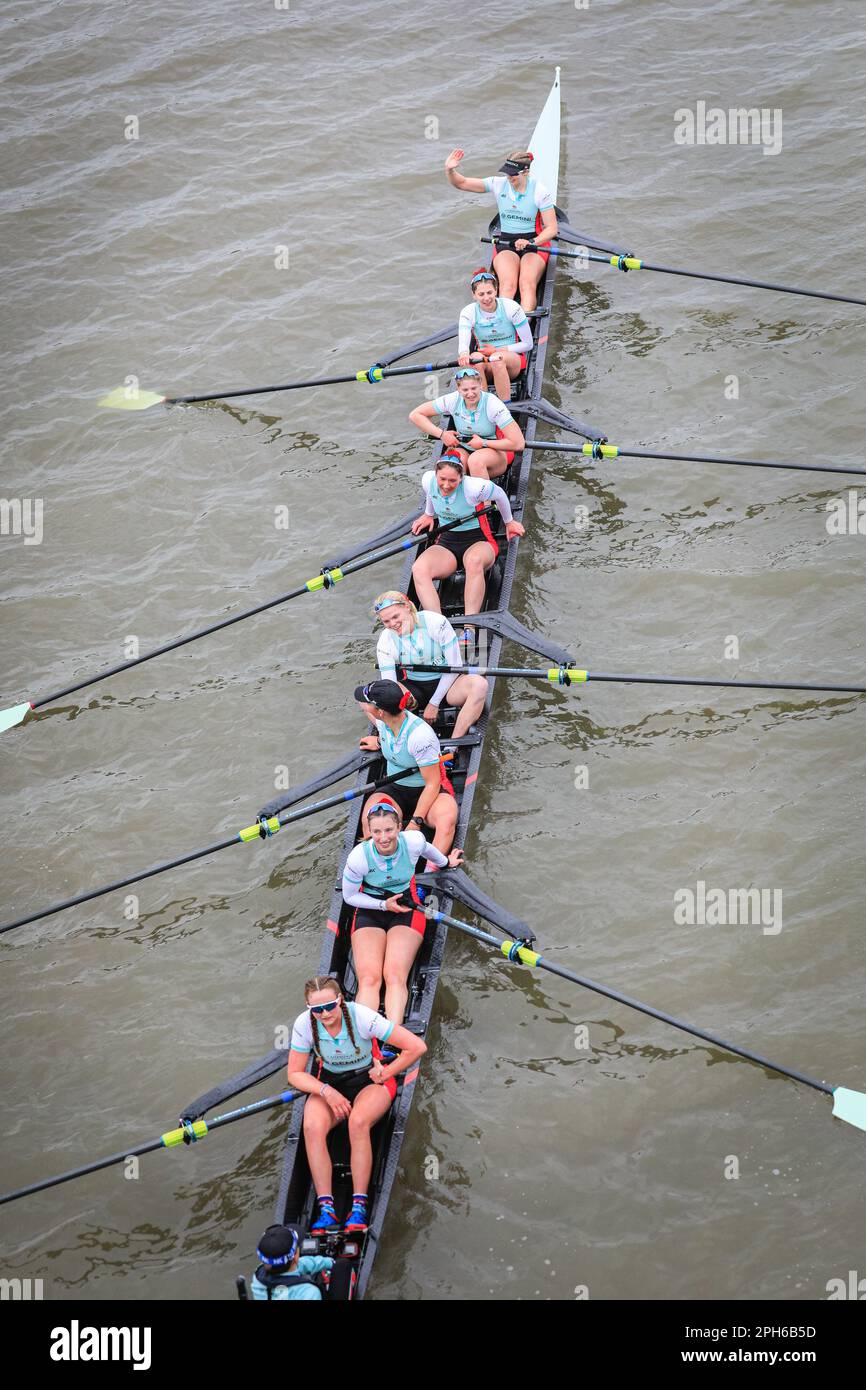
[501, 331]
[409, 745]
[485, 431]
[472, 545]
[527, 222]
[427, 637]
[389, 922]
[347, 1081]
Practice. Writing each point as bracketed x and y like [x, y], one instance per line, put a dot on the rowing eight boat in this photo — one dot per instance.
[296, 1193]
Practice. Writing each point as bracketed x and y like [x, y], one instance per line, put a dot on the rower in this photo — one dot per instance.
[485, 431]
[389, 922]
[471, 545]
[347, 1081]
[284, 1272]
[426, 636]
[407, 742]
[501, 331]
[527, 222]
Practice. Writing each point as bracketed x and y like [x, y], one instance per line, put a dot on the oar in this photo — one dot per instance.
[15, 714]
[262, 829]
[847, 1105]
[601, 450]
[635, 263]
[189, 1132]
[132, 398]
[573, 675]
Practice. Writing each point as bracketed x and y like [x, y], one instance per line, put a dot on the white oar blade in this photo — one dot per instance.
[850, 1106]
[12, 716]
[124, 398]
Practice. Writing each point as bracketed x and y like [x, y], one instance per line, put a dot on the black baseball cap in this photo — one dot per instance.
[388, 695]
[279, 1245]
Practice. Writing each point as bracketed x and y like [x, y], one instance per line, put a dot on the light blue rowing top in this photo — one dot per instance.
[496, 332]
[388, 874]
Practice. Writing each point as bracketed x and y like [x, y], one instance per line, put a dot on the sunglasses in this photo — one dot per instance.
[324, 1008]
[465, 371]
[483, 275]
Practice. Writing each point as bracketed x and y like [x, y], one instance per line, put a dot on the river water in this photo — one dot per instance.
[154, 160]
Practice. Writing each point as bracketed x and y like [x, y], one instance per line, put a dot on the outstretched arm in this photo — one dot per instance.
[459, 180]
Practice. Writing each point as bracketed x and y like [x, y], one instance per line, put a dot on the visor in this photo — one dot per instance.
[514, 166]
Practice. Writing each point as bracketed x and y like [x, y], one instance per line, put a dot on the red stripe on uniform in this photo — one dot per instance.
[484, 521]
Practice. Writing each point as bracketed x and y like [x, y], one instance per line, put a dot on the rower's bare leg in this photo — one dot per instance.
[319, 1120]
[507, 267]
[368, 1108]
[403, 946]
[468, 693]
[368, 953]
[487, 463]
[435, 563]
[504, 372]
[531, 271]
[443, 818]
[476, 563]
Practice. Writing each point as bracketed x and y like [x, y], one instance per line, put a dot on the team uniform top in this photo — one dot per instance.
[338, 1054]
[519, 213]
[389, 874]
[433, 641]
[490, 414]
[308, 1265]
[506, 327]
[414, 745]
[462, 502]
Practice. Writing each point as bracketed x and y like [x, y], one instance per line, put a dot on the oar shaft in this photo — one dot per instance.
[741, 463]
[535, 959]
[679, 1023]
[379, 374]
[81, 1172]
[260, 390]
[171, 646]
[636, 263]
[119, 883]
[326, 580]
[172, 1139]
[579, 676]
[725, 684]
[752, 284]
[614, 451]
[242, 837]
